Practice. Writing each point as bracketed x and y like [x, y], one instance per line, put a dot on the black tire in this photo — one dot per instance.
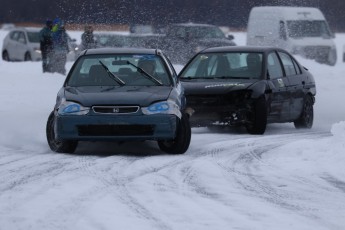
[58, 146]
[305, 121]
[258, 118]
[5, 56]
[332, 58]
[27, 57]
[182, 140]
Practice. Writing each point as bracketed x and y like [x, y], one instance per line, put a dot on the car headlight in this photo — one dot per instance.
[163, 107]
[72, 108]
[37, 50]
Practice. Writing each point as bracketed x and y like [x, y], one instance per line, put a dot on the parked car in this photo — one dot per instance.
[183, 40]
[22, 44]
[123, 40]
[248, 86]
[299, 30]
[113, 95]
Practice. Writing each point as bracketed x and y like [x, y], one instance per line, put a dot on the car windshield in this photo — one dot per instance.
[197, 32]
[304, 28]
[232, 65]
[112, 40]
[33, 37]
[205, 32]
[119, 70]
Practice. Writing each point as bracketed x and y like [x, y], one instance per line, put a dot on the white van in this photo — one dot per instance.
[299, 30]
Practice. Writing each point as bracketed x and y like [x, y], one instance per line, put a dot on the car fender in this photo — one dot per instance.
[258, 89]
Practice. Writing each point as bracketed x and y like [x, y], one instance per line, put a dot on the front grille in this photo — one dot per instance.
[115, 130]
[115, 109]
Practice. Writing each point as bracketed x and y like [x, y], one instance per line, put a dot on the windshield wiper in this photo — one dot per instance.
[149, 76]
[112, 75]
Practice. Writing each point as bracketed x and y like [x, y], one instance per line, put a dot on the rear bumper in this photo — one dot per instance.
[116, 128]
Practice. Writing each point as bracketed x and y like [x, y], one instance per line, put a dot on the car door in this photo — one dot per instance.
[295, 86]
[278, 83]
[21, 46]
[11, 44]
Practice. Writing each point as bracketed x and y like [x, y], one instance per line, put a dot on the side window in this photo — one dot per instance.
[273, 66]
[297, 68]
[14, 35]
[288, 64]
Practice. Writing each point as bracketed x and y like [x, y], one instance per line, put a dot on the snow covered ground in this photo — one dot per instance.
[284, 179]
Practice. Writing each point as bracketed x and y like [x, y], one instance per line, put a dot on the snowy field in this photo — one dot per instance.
[286, 179]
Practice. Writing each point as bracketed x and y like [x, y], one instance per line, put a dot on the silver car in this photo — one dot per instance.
[22, 44]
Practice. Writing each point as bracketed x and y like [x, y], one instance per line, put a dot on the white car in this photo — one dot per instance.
[22, 44]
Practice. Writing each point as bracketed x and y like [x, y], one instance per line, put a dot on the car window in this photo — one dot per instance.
[225, 65]
[88, 71]
[33, 37]
[273, 66]
[287, 64]
[14, 35]
[21, 37]
[297, 68]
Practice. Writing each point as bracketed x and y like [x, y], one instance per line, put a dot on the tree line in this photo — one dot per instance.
[231, 13]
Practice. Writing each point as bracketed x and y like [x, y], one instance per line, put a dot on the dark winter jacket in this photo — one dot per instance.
[46, 39]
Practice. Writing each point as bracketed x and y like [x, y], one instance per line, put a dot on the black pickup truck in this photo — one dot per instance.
[181, 41]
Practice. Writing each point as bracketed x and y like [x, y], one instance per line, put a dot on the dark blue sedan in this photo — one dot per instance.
[120, 95]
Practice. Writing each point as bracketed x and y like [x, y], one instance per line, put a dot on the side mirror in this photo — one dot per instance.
[231, 37]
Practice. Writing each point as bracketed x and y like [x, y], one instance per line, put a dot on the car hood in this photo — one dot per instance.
[198, 86]
[114, 95]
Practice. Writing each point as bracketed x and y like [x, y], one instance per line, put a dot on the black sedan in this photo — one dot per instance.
[248, 86]
[120, 95]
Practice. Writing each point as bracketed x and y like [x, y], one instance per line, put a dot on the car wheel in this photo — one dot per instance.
[307, 116]
[258, 118]
[27, 57]
[332, 59]
[5, 56]
[182, 140]
[58, 145]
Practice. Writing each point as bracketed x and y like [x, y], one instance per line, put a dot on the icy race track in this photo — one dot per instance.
[284, 179]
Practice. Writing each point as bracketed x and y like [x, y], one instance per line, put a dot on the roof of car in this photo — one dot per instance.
[121, 51]
[30, 29]
[190, 24]
[240, 49]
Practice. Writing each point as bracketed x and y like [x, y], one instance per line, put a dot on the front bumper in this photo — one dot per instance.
[116, 127]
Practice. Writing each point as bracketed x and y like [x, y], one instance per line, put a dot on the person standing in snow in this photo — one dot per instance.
[87, 38]
[46, 45]
[60, 44]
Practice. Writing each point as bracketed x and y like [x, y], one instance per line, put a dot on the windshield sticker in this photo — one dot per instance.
[224, 85]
